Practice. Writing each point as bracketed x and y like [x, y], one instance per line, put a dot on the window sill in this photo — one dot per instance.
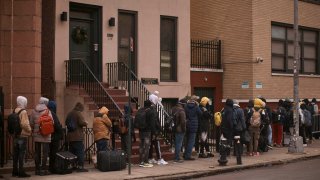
[206, 70]
[291, 75]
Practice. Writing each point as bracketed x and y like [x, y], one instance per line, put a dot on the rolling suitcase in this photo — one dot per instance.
[114, 160]
[64, 162]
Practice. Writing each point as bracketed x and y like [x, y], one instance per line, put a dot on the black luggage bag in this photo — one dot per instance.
[64, 162]
[114, 160]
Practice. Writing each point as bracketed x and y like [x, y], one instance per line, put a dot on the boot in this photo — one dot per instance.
[15, 173]
[23, 174]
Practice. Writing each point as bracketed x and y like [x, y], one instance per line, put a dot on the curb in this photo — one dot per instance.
[198, 174]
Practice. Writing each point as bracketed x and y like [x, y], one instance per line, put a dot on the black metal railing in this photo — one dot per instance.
[206, 54]
[78, 73]
[117, 77]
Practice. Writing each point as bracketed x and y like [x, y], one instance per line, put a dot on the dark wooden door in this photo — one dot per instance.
[127, 29]
[85, 36]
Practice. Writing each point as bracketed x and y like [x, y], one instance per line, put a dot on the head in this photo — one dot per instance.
[280, 102]
[156, 93]
[103, 111]
[22, 101]
[306, 101]
[236, 103]
[303, 106]
[154, 99]
[251, 103]
[52, 106]
[204, 101]
[147, 103]
[194, 98]
[314, 100]
[44, 100]
[79, 107]
[229, 102]
[182, 102]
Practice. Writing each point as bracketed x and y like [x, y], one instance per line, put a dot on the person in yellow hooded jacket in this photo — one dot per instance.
[101, 129]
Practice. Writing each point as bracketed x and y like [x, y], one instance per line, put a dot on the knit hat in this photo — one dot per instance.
[258, 103]
[44, 100]
[22, 101]
[154, 99]
[194, 97]
[103, 110]
[204, 101]
[182, 101]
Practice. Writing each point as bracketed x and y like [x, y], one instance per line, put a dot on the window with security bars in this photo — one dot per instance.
[282, 48]
[168, 49]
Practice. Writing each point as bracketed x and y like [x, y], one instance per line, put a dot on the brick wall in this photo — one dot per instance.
[245, 30]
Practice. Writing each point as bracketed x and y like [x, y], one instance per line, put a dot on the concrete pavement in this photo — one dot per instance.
[192, 169]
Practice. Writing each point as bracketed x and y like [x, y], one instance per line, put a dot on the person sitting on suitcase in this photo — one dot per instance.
[75, 136]
[101, 129]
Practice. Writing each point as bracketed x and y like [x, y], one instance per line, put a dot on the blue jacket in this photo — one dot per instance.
[193, 114]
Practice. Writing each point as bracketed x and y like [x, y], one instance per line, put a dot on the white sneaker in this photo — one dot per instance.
[162, 162]
[152, 161]
[304, 145]
[147, 165]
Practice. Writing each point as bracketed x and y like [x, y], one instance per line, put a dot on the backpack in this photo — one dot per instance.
[14, 127]
[46, 126]
[307, 117]
[170, 122]
[237, 124]
[217, 118]
[255, 120]
[70, 124]
[140, 120]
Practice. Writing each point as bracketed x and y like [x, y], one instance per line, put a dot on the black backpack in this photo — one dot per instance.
[140, 120]
[14, 127]
[70, 124]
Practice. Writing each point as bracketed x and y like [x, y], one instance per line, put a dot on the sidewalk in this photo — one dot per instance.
[191, 169]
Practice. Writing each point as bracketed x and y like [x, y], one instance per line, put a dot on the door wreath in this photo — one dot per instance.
[79, 35]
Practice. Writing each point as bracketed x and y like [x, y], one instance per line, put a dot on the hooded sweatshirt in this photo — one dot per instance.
[40, 109]
[102, 125]
[24, 119]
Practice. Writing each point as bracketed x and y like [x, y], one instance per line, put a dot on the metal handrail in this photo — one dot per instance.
[79, 73]
[117, 77]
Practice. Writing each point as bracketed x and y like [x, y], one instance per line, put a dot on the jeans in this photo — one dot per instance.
[19, 151]
[190, 143]
[77, 148]
[145, 139]
[102, 144]
[41, 155]
[269, 134]
[178, 144]
[156, 144]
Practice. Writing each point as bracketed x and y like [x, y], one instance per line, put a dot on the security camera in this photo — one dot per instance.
[259, 59]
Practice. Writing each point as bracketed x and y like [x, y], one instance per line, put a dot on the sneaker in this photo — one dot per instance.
[152, 161]
[256, 154]
[304, 145]
[190, 159]
[269, 146]
[147, 165]
[162, 162]
[177, 161]
[141, 164]
[201, 155]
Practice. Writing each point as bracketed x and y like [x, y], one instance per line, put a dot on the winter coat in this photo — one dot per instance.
[193, 114]
[240, 116]
[77, 134]
[58, 132]
[101, 127]
[227, 122]
[204, 122]
[24, 118]
[180, 118]
[151, 120]
[34, 121]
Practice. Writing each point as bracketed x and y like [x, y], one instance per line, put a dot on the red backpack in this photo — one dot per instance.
[46, 124]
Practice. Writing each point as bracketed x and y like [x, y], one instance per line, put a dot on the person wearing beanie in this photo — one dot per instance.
[75, 138]
[204, 124]
[56, 137]
[20, 141]
[41, 142]
[101, 129]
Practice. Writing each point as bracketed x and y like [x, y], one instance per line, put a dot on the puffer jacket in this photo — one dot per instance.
[193, 114]
[101, 127]
[34, 121]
